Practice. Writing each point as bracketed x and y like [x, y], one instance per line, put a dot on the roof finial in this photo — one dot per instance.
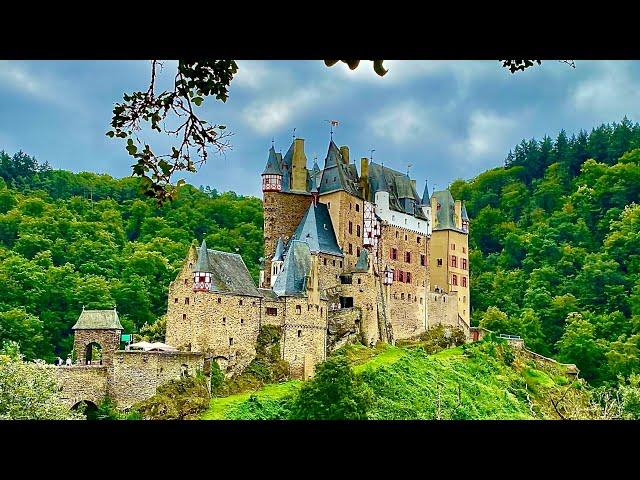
[332, 123]
[409, 168]
[371, 157]
[83, 307]
[273, 142]
[294, 133]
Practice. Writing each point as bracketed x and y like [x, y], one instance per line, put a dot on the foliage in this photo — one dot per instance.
[107, 410]
[266, 367]
[29, 390]
[555, 233]
[335, 393]
[178, 399]
[68, 240]
[154, 332]
[440, 337]
[217, 378]
[194, 81]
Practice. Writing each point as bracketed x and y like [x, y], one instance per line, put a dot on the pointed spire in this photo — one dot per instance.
[202, 265]
[425, 194]
[273, 165]
[362, 265]
[278, 256]
[464, 214]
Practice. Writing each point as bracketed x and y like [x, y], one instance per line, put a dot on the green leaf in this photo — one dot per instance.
[198, 101]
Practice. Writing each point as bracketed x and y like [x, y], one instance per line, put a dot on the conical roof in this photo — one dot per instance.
[273, 164]
[425, 194]
[202, 265]
[464, 214]
[278, 256]
[362, 265]
[316, 229]
[445, 211]
[291, 281]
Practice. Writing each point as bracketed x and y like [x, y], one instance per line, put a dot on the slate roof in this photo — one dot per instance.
[403, 196]
[98, 320]
[229, 274]
[425, 194]
[464, 214]
[292, 280]
[278, 256]
[202, 265]
[273, 166]
[445, 215]
[362, 265]
[317, 231]
[337, 175]
[268, 294]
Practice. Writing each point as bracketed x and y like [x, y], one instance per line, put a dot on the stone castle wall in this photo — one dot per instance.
[135, 376]
[407, 301]
[109, 341]
[81, 383]
[342, 209]
[443, 310]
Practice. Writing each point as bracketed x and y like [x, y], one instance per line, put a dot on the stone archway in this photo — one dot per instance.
[89, 408]
[93, 354]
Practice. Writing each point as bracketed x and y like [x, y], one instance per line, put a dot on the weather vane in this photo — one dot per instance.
[273, 141]
[333, 123]
[371, 157]
[294, 132]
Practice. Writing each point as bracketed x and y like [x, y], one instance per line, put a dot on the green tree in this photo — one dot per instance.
[335, 393]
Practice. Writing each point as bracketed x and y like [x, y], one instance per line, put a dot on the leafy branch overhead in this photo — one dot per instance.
[193, 81]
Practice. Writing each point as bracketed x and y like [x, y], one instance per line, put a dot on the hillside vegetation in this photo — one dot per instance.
[486, 380]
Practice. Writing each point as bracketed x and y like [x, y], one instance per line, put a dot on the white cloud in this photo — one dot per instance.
[406, 123]
[609, 94]
[254, 74]
[488, 135]
[16, 77]
[270, 115]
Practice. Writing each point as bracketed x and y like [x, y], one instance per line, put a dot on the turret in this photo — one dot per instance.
[277, 261]
[202, 270]
[465, 219]
[425, 205]
[272, 175]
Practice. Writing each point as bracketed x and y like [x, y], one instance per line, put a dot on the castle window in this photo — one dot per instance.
[464, 250]
[346, 279]
[328, 205]
[186, 281]
[420, 300]
[325, 261]
[454, 279]
[358, 251]
[350, 249]
[219, 300]
[350, 205]
[340, 263]
[230, 341]
[298, 309]
[397, 234]
[402, 296]
[253, 304]
[359, 281]
[175, 300]
[190, 265]
[464, 281]
[357, 207]
[334, 263]
[401, 279]
[464, 299]
[417, 237]
[409, 297]
[405, 222]
[408, 277]
[224, 320]
[184, 316]
[272, 311]
[358, 230]
[453, 246]
[186, 301]
[299, 333]
[439, 262]
[240, 303]
[423, 260]
[407, 257]
[464, 263]
[454, 261]
[242, 321]
[406, 237]
[394, 254]
[320, 310]
[350, 227]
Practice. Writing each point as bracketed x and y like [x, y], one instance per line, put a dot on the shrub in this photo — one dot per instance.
[183, 398]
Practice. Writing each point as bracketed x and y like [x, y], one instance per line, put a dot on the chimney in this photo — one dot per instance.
[364, 177]
[458, 212]
[299, 166]
[344, 151]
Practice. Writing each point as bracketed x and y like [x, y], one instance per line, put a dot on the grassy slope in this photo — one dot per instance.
[409, 384]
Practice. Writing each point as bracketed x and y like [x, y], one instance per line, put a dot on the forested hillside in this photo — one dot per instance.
[555, 248]
[68, 240]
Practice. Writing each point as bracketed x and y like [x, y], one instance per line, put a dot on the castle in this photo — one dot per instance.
[349, 256]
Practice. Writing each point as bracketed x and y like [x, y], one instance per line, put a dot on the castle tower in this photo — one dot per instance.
[425, 205]
[96, 336]
[285, 199]
[277, 261]
[465, 219]
[449, 251]
[202, 270]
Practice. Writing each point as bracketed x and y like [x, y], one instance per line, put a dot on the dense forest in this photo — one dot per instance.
[68, 240]
[555, 247]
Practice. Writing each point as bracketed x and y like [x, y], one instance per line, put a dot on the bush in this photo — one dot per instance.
[435, 339]
[217, 377]
[179, 399]
[335, 393]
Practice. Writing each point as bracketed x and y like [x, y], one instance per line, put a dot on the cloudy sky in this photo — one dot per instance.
[448, 119]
